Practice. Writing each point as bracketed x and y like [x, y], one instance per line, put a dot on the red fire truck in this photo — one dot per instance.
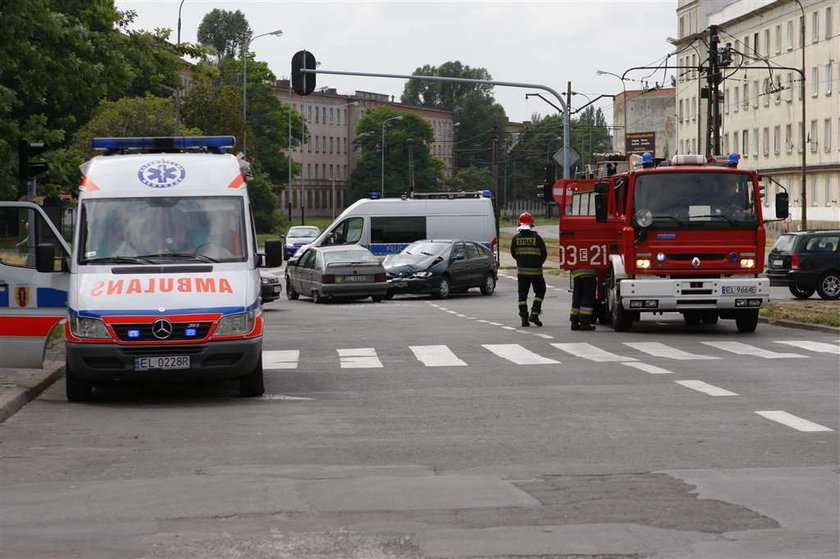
[687, 237]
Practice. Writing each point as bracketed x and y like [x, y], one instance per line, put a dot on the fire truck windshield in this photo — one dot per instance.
[695, 200]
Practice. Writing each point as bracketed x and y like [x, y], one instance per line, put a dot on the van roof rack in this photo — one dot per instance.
[453, 195]
[164, 144]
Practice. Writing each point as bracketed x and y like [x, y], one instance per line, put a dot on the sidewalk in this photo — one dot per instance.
[20, 386]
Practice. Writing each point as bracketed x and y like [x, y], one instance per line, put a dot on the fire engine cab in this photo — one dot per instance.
[687, 237]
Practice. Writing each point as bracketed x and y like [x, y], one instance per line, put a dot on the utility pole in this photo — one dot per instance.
[713, 95]
[567, 156]
[494, 160]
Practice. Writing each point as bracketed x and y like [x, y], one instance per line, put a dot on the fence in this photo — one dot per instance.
[537, 208]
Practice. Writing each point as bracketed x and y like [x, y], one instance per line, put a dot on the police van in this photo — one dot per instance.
[162, 282]
[388, 225]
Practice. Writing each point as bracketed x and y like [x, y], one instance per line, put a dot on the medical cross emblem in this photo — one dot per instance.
[161, 174]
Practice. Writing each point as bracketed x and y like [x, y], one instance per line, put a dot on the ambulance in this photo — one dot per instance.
[162, 281]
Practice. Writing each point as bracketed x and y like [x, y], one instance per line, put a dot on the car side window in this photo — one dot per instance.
[823, 243]
[458, 251]
[348, 232]
[308, 260]
[472, 251]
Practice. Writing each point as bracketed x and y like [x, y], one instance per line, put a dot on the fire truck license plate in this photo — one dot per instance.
[162, 362]
[739, 290]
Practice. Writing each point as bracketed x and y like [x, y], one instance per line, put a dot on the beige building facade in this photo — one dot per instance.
[328, 158]
[649, 119]
[761, 110]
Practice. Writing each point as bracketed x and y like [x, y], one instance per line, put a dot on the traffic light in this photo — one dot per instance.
[27, 169]
[544, 190]
[303, 84]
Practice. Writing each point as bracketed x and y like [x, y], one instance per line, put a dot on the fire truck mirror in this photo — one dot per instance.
[602, 187]
[600, 206]
[782, 202]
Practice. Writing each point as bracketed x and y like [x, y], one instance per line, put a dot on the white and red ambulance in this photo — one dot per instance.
[162, 282]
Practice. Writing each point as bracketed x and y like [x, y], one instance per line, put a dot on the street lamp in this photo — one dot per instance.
[675, 42]
[382, 147]
[245, 49]
[623, 101]
[178, 89]
[803, 193]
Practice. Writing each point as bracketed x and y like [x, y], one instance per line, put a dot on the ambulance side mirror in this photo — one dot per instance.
[782, 201]
[45, 258]
[273, 253]
[601, 207]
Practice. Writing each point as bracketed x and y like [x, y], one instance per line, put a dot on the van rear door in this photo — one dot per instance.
[32, 302]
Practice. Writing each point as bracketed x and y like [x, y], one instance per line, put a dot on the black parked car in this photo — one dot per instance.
[270, 287]
[807, 261]
[441, 268]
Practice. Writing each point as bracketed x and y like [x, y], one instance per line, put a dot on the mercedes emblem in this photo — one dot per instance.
[162, 329]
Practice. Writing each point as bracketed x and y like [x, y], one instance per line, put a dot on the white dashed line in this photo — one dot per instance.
[648, 368]
[359, 358]
[589, 351]
[436, 356]
[792, 421]
[512, 328]
[282, 397]
[705, 388]
[515, 353]
[746, 349]
[819, 347]
[283, 359]
[543, 336]
[495, 323]
[661, 350]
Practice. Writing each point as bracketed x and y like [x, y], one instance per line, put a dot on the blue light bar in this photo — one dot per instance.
[733, 159]
[486, 193]
[374, 195]
[164, 142]
[133, 333]
[190, 332]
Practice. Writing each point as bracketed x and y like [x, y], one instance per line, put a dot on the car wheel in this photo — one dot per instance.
[317, 298]
[77, 389]
[801, 292]
[376, 298]
[829, 286]
[251, 385]
[443, 289]
[389, 295]
[746, 321]
[291, 294]
[489, 285]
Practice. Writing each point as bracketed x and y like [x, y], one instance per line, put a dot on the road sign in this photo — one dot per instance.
[574, 157]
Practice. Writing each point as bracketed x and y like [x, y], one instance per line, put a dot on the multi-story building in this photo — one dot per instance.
[761, 111]
[328, 158]
[648, 116]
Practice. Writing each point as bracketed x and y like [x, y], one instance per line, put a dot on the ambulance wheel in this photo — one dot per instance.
[251, 385]
[291, 294]
[489, 285]
[443, 289]
[78, 389]
[746, 320]
[376, 298]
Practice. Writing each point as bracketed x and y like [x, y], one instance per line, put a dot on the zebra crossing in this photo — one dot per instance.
[441, 355]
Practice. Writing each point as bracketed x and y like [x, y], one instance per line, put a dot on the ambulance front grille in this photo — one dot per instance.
[179, 332]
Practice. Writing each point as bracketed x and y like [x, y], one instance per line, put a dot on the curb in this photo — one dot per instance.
[16, 398]
[801, 325]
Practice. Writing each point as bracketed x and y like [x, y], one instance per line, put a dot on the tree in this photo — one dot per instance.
[366, 177]
[228, 32]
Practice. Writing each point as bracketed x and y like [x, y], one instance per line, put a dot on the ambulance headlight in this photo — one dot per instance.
[84, 327]
[236, 324]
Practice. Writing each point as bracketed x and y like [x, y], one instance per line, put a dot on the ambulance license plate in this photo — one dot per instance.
[162, 362]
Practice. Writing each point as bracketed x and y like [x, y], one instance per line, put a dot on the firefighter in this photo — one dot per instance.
[528, 249]
[583, 298]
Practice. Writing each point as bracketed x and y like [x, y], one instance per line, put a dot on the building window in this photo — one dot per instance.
[828, 79]
[789, 88]
[828, 190]
[756, 94]
[331, 144]
[788, 138]
[766, 92]
[815, 27]
[790, 35]
[735, 143]
[746, 96]
[777, 139]
[765, 137]
[827, 135]
[767, 43]
[812, 194]
[345, 145]
[745, 143]
[813, 136]
[736, 102]
[829, 24]
[682, 146]
[726, 143]
[682, 27]
[755, 142]
[317, 115]
[681, 110]
[778, 39]
[755, 44]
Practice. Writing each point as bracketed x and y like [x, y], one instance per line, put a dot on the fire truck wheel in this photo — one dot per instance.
[622, 320]
[709, 317]
[601, 313]
[78, 389]
[692, 317]
[251, 385]
[747, 320]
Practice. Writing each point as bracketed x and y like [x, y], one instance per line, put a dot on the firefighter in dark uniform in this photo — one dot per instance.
[583, 298]
[528, 249]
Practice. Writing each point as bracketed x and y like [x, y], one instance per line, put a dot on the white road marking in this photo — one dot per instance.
[819, 347]
[515, 353]
[359, 358]
[282, 397]
[511, 328]
[589, 351]
[436, 356]
[705, 388]
[460, 315]
[543, 336]
[282, 359]
[496, 323]
[483, 321]
[791, 420]
[746, 349]
[452, 312]
[646, 367]
[661, 350]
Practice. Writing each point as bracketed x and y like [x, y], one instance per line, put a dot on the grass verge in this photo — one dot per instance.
[826, 313]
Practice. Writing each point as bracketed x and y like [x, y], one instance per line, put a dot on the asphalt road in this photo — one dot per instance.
[423, 428]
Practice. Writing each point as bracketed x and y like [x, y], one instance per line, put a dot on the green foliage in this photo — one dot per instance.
[263, 202]
[470, 178]
[227, 32]
[367, 175]
[473, 104]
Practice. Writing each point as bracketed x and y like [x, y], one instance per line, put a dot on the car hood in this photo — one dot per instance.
[144, 293]
[407, 263]
[299, 241]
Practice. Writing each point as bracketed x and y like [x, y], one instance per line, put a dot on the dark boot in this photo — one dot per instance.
[585, 326]
[535, 320]
[525, 322]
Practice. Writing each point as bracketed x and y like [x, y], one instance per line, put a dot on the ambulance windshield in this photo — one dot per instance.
[161, 230]
[707, 200]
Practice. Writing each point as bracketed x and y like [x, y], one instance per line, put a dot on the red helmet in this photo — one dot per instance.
[526, 219]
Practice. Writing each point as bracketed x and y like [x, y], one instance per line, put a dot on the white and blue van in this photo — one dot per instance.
[162, 282]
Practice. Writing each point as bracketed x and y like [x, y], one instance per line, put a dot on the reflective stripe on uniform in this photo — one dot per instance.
[583, 273]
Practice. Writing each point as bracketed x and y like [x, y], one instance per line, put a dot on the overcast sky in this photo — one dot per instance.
[546, 43]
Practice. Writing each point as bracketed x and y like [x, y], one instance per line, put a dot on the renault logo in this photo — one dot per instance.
[695, 262]
[162, 329]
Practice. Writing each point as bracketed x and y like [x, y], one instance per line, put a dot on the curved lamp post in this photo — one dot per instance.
[245, 49]
[623, 102]
[382, 147]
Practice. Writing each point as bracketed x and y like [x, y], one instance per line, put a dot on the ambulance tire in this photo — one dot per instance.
[78, 389]
[291, 294]
[251, 385]
[746, 320]
[376, 298]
